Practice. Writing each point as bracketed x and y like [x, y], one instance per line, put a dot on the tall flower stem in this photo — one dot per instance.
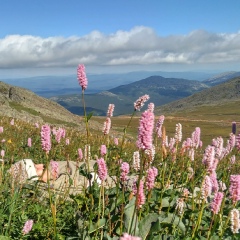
[125, 132]
[85, 116]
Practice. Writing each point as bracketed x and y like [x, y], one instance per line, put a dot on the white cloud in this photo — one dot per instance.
[141, 45]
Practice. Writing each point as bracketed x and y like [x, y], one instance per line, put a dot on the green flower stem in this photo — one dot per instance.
[199, 219]
[125, 132]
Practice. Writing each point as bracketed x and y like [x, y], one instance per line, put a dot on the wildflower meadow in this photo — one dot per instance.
[155, 186]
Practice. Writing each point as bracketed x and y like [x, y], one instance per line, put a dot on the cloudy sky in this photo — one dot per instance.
[53, 37]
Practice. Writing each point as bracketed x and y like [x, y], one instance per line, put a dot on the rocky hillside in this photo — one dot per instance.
[223, 93]
[23, 104]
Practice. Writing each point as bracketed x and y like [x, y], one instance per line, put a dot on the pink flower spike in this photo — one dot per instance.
[110, 110]
[140, 102]
[126, 236]
[234, 188]
[103, 150]
[1, 129]
[46, 138]
[2, 153]
[81, 76]
[107, 126]
[151, 175]
[12, 122]
[27, 226]
[116, 141]
[54, 169]
[216, 203]
[124, 171]
[80, 154]
[141, 196]
[29, 142]
[145, 130]
[102, 169]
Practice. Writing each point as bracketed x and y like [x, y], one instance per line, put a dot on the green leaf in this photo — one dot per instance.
[89, 116]
[146, 223]
[130, 217]
[173, 219]
[95, 226]
[82, 170]
[4, 238]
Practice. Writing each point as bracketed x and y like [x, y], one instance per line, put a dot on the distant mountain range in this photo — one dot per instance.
[161, 91]
[49, 86]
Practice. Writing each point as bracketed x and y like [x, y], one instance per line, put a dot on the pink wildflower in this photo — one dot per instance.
[151, 175]
[145, 130]
[235, 221]
[110, 110]
[238, 141]
[140, 102]
[106, 126]
[208, 157]
[232, 141]
[206, 189]
[27, 226]
[216, 203]
[136, 161]
[102, 169]
[159, 126]
[36, 125]
[80, 154]
[54, 168]
[46, 138]
[178, 132]
[116, 141]
[196, 137]
[1, 129]
[12, 122]
[29, 142]
[214, 181]
[191, 153]
[234, 188]
[180, 206]
[81, 76]
[124, 171]
[140, 196]
[126, 236]
[2, 153]
[151, 107]
[151, 154]
[218, 144]
[103, 150]
[233, 159]
[67, 141]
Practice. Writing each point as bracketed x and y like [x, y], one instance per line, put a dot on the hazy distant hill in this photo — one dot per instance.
[215, 96]
[161, 91]
[220, 78]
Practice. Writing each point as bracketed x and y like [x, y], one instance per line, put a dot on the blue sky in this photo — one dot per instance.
[52, 37]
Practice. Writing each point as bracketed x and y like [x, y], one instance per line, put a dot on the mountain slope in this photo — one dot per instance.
[221, 78]
[161, 91]
[225, 93]
[23, 104]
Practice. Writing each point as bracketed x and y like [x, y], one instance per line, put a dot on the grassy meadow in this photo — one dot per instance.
[186, 186]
